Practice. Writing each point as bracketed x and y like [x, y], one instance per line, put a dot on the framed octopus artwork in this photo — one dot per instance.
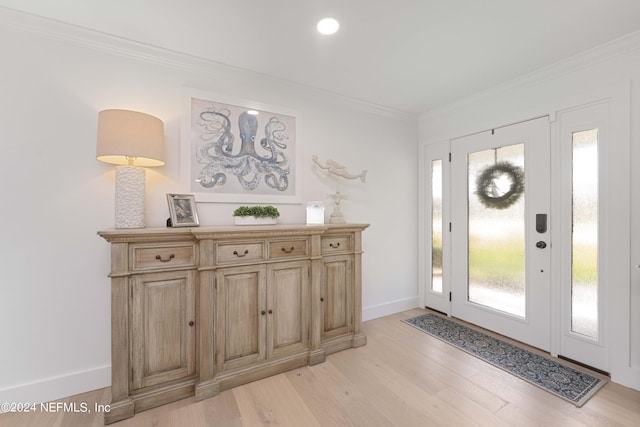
[236, 150]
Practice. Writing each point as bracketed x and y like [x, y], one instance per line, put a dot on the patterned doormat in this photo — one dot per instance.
[561, 380]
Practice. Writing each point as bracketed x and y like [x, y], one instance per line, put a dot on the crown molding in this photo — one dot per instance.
[600, 53]
[115, 45]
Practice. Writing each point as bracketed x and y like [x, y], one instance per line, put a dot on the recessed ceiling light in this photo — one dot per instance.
[328, 26]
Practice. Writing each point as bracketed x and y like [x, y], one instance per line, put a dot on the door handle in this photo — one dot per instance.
[541, 245]
[541, 223]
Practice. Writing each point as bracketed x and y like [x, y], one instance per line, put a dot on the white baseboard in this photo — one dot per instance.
[55, 388]
[386, 309]
[629, 378]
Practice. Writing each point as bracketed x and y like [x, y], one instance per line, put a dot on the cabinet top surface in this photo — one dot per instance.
[223, 231]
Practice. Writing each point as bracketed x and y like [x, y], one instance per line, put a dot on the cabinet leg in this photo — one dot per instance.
[118, 411]
[317, 356]
[207, 389]
[359, 340]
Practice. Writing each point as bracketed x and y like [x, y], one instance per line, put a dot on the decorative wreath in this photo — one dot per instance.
[487, 189]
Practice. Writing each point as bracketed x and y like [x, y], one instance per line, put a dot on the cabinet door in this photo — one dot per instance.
[241, 324]
[288, 308]
[337, 296]
[162, 327]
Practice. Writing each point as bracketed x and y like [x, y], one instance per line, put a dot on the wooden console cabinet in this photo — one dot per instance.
[199, 310]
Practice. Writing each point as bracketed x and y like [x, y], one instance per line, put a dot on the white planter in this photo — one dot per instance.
[252, 220]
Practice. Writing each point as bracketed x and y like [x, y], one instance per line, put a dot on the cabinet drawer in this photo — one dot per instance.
[331, 244]
[232, 253]
[160, 257]
[288, 248]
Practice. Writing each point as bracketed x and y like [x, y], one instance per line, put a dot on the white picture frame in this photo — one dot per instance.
[182, 210]
[219, 163]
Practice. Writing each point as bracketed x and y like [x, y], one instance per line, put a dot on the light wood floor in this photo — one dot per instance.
[402, 377]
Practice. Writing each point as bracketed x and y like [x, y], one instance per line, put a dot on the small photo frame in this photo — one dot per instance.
[182, 210]
[315, 213]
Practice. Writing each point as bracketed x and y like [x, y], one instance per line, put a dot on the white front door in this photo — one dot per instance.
[500, 228]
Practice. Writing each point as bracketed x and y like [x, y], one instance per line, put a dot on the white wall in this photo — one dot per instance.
[55, 294]
[613, 68]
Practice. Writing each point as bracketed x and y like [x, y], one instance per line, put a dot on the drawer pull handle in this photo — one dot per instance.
[288, 251]
[335, 245]
[159, 258]
[246, 251]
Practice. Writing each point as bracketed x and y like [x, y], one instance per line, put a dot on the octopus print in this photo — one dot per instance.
[236, 149]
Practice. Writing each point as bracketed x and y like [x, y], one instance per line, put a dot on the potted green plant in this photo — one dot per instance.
[256, 215]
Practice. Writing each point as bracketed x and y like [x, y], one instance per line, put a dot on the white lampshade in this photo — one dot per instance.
[133, 139]
[125, 135]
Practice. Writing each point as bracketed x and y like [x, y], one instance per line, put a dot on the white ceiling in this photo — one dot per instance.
[408, 55]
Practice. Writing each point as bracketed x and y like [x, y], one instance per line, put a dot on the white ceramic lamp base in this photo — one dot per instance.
[129, 208]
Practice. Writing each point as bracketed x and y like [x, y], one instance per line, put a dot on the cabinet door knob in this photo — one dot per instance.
[191, 323]
[263, 312]
[159, 258]
[321, 299]
[270, 311]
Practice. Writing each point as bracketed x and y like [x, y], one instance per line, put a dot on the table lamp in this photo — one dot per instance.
[130, 139]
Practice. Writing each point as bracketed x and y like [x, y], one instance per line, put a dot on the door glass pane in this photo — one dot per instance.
[497, 229]
[436, 226]
[584, 261]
